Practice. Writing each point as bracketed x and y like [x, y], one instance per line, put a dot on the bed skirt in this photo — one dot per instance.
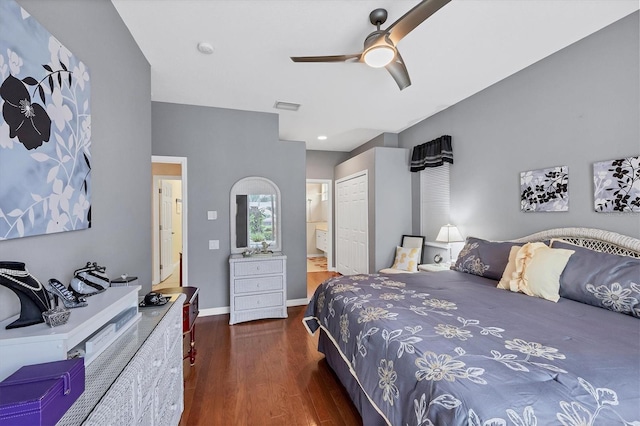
[370, 417]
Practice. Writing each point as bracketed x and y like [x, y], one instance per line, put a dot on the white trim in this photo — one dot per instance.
[214, 311]
[227, 310]
[298, 302]
[329, 252]
[185, 227]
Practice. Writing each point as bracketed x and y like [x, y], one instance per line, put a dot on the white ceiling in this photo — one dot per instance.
[465, 47]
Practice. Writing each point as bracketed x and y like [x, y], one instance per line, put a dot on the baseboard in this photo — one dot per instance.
[226, 310]
[297, 302]
[214, 311]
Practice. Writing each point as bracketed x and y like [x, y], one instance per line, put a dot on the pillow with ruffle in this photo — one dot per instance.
[484, 258]
[601, 279]
[534, 269]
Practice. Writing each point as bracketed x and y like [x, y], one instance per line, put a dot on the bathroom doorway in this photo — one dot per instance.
[319, 218]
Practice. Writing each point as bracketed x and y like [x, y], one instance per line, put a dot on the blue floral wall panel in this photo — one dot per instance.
[545, 190]
[617, 185]
[45, 131]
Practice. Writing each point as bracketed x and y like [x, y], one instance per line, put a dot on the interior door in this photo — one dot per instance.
[352, 225]
[166, 230]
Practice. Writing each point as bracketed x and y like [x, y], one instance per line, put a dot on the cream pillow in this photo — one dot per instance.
[407, 259]
[537, 271]
[507, 275]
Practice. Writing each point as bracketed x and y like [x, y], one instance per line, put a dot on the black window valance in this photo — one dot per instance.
[432, 154]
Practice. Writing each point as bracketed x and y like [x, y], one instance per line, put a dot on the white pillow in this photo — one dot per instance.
[537, 271]
[407, 259]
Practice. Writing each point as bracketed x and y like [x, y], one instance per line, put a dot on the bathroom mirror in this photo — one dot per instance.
[255, 214]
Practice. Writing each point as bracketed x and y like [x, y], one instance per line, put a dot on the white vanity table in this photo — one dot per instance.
[258, 287]
[257, 268]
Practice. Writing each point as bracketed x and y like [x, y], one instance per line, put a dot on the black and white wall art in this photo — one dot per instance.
[616, 185]
[45, 130]
[545, 190]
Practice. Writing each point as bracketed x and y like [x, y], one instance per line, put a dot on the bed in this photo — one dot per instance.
[451, 348]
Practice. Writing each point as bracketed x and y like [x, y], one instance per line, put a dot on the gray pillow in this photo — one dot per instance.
[484, 258]
[600, 279]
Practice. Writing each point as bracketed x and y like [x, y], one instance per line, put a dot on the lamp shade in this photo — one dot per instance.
[449, 234]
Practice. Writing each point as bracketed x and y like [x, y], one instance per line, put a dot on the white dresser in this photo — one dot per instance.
[258, 287]
[138, 379]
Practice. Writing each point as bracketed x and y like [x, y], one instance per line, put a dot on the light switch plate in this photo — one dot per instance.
[212, 215]
[214, 244]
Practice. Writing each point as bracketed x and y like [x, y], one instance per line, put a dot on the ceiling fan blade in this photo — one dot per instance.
[399, 72]
[332, 58]
[410, 20]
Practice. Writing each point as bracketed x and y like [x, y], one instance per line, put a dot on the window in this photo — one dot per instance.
[434, 200]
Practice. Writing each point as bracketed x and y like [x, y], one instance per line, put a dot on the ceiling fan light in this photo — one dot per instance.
[379, 56]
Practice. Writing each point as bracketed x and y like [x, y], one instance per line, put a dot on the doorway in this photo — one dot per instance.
[319, 222]
[169, 219]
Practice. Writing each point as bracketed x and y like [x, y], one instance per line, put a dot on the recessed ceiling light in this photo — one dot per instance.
[289, 106]
[206, 48]
[322, 138]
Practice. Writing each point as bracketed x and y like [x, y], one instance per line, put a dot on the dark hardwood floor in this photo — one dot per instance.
[265, 372]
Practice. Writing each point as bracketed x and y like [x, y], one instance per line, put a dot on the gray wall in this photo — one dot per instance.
[389, 140]
[223, 146]
[120, 237]
[320, 164]
[576, 107]
[389, 190]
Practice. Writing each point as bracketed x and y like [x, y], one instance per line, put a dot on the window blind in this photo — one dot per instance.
[434, 200]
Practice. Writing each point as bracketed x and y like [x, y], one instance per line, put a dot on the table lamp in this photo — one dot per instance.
[449, 234]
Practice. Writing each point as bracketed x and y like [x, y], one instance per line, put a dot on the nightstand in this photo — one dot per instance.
[433, 267]
[189, 314]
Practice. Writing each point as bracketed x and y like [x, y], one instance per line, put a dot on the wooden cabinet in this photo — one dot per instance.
[258, 287]
[190, 312]
[321, 240]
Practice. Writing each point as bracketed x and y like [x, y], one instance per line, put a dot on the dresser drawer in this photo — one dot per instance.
[252, 285]
[259, 301]
[261, 267]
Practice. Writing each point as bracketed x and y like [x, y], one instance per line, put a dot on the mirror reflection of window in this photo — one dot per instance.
[255, 215]
[262, 222]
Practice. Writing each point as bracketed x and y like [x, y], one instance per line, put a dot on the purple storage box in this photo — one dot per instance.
[40, 394]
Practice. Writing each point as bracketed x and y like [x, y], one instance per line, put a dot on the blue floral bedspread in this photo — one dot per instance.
[448, 348]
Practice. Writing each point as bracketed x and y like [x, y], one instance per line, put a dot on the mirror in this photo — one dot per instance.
[255, 214]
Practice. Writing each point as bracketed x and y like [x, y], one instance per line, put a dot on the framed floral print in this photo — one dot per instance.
[45, 130]
[545, 190]
[616, 185]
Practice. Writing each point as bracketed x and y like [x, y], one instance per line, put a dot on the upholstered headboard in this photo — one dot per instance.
[594, 239]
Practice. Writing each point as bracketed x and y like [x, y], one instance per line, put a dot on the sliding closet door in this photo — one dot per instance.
[352, 224]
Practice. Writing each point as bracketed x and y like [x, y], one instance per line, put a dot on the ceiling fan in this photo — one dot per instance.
[380, 46]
